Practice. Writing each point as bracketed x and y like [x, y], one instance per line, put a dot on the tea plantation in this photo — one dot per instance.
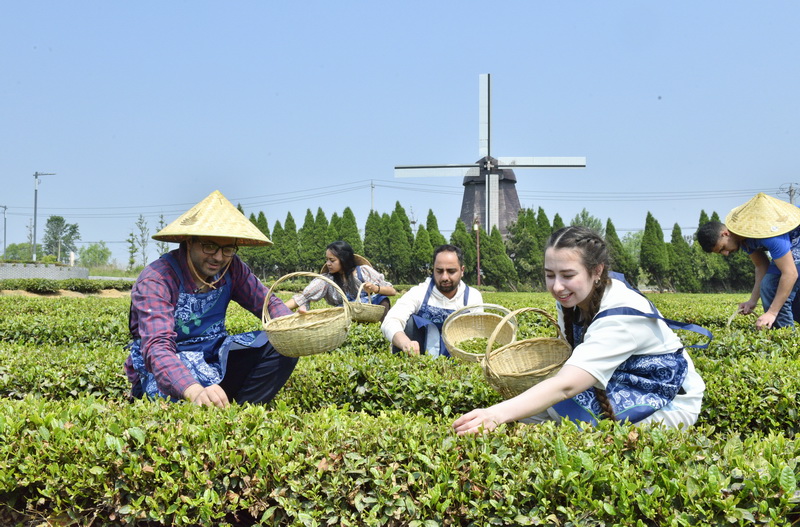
[362, 437]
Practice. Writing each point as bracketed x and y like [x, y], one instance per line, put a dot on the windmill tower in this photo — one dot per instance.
[490, 192]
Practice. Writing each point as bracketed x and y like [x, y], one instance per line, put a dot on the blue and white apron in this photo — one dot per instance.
[429, 316]
[640, 386]
[364, 298]
[201, 340]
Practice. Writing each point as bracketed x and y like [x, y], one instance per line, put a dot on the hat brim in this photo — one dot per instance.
[763, 217]
[215, 216]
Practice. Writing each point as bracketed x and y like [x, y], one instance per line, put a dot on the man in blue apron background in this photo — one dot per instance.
[768, 230]
[414, 323]
[180, 348]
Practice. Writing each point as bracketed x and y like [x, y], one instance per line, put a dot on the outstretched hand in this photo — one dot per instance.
[480, 420]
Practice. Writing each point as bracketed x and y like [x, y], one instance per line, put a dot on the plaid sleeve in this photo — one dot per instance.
[248, 291]
[153, 309]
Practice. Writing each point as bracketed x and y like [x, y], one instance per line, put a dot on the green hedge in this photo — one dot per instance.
[183, 465]
[362, 437]
[79, 285]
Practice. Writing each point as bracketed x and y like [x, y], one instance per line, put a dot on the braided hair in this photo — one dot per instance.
[593, 253]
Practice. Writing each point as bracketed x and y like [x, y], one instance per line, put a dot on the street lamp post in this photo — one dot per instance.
[476, 226]
[35, 199]
[5, 209]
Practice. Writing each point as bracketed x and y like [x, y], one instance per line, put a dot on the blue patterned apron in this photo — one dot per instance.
[202, 342]
[364, 299]
[428, 316]
[641, 385]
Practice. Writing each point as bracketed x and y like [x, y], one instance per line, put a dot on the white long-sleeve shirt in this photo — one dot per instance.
[410, 302]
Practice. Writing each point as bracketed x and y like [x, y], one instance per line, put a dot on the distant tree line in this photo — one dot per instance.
[404, 254]
[515, 263]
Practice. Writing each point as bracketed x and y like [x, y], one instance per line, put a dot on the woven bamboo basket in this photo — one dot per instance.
[465, 323]
[310, 333]
[515, 367]
[365, 312]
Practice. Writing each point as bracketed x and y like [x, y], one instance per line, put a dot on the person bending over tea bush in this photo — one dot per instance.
[414, 323]
[349, 271]
[763, 226]
[626, 362]
[180, 347]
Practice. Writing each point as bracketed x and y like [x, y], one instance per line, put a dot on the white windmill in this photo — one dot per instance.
[496, 174]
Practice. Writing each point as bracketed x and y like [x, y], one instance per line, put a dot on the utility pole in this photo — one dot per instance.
[5, 209]
[476, 226]
[35, 199]
[790, 189]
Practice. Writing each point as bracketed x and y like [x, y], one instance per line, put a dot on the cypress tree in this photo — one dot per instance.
[544, 230]
[349, 231]
[292, 244]
[398, 250]
[279, 258]
[321, 240]
[373, 241]
[558, 223]
[331, 233]
[524, 249]
[703, 219]
[307, 247]
[621, 260]
[434, 234]
[248, 254]
[499, 269]
[421, 256]
[653, 257]
[400, 212]
[465, 240]
[682, 274]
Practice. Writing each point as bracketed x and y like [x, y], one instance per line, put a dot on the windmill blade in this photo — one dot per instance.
[541, 162]
[484, 116]
[433, 170]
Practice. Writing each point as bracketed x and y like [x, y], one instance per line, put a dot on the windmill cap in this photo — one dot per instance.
[763, 217]
[360, 260]
[215, 216]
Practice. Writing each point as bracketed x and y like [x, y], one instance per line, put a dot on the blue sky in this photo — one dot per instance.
[147, 107]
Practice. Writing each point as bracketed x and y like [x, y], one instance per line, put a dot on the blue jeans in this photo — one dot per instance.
[790, 310]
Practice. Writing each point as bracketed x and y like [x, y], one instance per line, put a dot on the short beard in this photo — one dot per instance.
[446, 289]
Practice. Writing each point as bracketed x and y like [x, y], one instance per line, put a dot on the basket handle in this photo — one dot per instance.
[458, 311]
[358, 293]
[516, 312]
[265, 312]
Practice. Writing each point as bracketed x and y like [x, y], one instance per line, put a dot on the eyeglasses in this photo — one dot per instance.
[212, 248]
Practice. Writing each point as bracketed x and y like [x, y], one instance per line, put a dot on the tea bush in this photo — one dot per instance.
[360, 436]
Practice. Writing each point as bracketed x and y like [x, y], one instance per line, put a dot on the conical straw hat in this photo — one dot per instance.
[763, 217]
[360, 260]
[214, 216]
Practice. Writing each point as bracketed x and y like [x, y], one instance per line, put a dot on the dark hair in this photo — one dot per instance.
[451, 249]
[594, 252]
[708, 235]
[344, 252]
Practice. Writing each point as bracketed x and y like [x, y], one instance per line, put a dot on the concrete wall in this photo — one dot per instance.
[49, 271]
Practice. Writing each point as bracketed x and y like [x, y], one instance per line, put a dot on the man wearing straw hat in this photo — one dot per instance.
[763, 225]
[180, 348]
[414, 323]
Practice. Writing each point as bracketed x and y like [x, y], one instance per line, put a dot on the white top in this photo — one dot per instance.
[318, 289]
[410, 303]
[610, 341]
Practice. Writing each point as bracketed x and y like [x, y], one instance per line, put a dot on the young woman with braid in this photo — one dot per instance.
[623, 366]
